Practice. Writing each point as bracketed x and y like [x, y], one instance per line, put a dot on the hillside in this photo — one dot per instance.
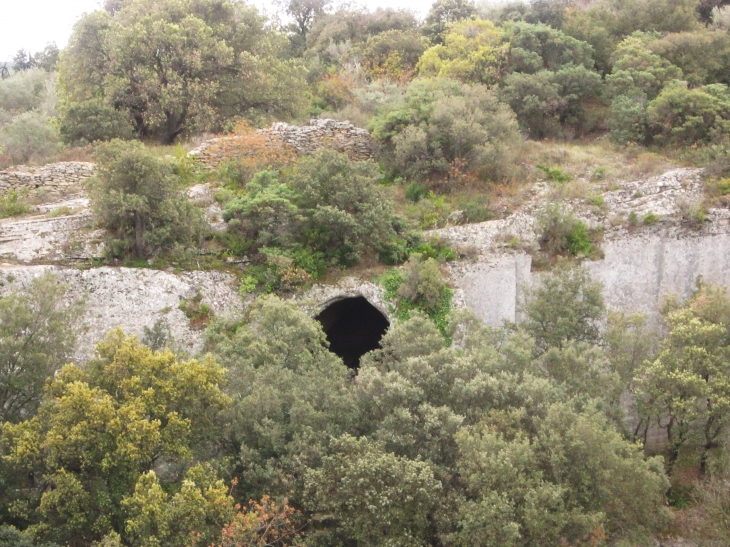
[345, 277]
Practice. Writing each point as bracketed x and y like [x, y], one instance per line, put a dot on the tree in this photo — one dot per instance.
[638, 70]
[443, 13]
[423, 283]
[23, 60]
[37, 335]
[686, 389]
[681, 116]
[29, 136]
[564, 306]
[180, 65]
[574, 478]
[138, 199]
[99, 429]
[264, 523]
[304, 13]
[12, 537]
[393, 54]
[351, 28]
[472, 51]
[688, 52]
[443, 130]
[47, 59]
[551, 80]
[192, 516]
[290, 395]
[375, 497]
[91, 121]
[328, 210]
[535, 47]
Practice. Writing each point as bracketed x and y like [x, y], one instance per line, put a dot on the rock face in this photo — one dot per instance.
[53, 177]
[320, 296]
[44, 237]
[133, 298]
[341, 136]
[641, 264]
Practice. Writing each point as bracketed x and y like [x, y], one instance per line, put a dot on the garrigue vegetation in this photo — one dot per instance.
[451, 434]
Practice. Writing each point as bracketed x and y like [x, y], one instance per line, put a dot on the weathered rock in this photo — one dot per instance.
[641, 264]
[321, 296]
[133, 298]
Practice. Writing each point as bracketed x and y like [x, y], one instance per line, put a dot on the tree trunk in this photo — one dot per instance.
[138, 234]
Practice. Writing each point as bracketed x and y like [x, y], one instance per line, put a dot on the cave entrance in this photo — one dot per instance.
[353, 327]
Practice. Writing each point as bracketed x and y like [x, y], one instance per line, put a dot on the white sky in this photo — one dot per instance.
[31, 24]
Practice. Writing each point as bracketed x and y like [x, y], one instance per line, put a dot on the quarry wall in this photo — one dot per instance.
[55, 176]
[307, 139]
[638, 272]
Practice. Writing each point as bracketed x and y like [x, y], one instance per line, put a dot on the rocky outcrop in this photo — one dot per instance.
[308, 139]
[51, 238]
[321, 296]
[133, 298]
[52, 177]
[642, 264]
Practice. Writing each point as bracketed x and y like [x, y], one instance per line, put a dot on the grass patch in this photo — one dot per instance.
[61, 212]
[555, 174]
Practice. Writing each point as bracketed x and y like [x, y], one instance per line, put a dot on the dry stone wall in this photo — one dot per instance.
[54, 176]
[308, 139]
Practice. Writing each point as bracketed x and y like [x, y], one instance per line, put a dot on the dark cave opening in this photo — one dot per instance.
[353, 327]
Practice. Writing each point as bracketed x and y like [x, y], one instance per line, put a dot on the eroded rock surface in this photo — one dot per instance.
[133, 299]
[641, 265]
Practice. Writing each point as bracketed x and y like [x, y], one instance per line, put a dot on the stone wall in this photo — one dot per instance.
[54, 176]
[308, 139]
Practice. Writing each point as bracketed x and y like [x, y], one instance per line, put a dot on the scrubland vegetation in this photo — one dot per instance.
[575, 427]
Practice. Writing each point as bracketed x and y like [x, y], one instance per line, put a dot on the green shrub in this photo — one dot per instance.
[139, 200]
[92, 121]
[555, 174]
[198, 312]
[415, 192]
[723, 186]
[475, 210]
[596, 200]
[328, 210]
[562, 234]
[579, 242]
[681, 116]
[13, 204]
[650, 218]
[449, 133]
[436, 249]
[29, 137]
[419, 286]
[633, 218]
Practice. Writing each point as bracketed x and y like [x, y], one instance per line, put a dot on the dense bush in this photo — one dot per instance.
[681, 116]
[30, 136]
[473, 51]
[448, 132]
[393, 54]
[37, 336]
[92, 121]
[561, 234]
[498, 439]
[100, 429]
[140, 201]
[328, 210]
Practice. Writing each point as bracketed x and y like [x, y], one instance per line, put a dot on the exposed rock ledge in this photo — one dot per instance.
[133, 299]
